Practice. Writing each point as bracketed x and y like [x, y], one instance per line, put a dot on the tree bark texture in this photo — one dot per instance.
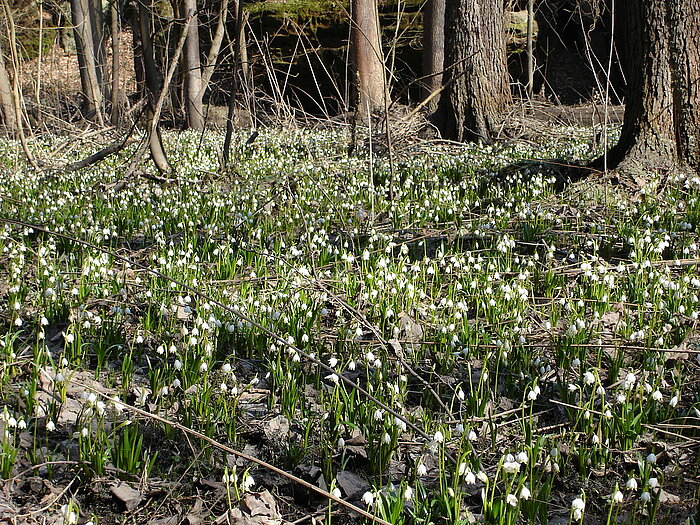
[153, 81]
[115, 91]
[368, 56]
[473, 104]
[84, 19]
[7, 105]
[661, 128]
[194, 107]
[433, 50]
[647, 136]
[684, 20]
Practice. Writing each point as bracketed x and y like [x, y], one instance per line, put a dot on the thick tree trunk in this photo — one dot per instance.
[7, 105]
[87, 58]
[433, 50]
[367, 56]
[194, 107]
[647, 137]
[661, 129]
[473, 104]
[685, 74]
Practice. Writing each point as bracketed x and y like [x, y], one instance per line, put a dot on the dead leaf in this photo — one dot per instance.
[412, 330]
[197, 513]
[667, 497]
[396, 346]
[129, 496]
[261, 504]
[276, 429]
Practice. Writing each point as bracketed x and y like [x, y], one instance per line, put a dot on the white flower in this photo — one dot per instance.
[368, 498]
[226, 368]
[617, 497]
[631, 484]
[512, 500]
[50, 426]
[521, 457]
[645, 496]
[470, 478]
[511, 467]
[421, 470]
[471, 436]
[651, 458]
[336, 492]
[673, 401]
[438, 437]
[577, 508]
[657, 396]
[588, 378]
[653, 483]
[248, 482]
[525, 493]
[408, 493]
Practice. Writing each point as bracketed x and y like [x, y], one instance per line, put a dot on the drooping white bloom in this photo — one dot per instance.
[525, 493]
[617, 497]
[368, 498]
[512, 500]
[577, 508]
[631, 484]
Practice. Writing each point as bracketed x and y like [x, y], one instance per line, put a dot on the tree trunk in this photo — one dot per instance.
[685, 74]
[433, 50]
[213, 55]
[153, 81]
[647, 136]
[194, 107]
[7, 105]
[87, 58]
[661, 127]
[473, 104]
[115, 91]
[367, 56]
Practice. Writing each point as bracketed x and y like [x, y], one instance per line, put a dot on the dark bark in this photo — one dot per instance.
[433, 50]
[472, 106]
[661, 127]
[647, 136]
[685, 73]
[367, 56]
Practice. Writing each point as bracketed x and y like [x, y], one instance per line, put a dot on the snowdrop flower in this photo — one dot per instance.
[577, 508]
[525, 493]
[654, 483]
[512, 500]
[438, 437]
[336, 492]
[521, 457]
[248, 482]
[471, 436]
[368, 498]
[470, 478]
[588, 378]
[657, 396]
[408, 493]
[50, 426]
[631, 484]
[617, 497]
[651, 458]
[673, 401]
[645, 497]
[226, 368]
[421, 470]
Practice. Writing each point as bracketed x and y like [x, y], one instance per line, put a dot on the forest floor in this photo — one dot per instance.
[456, 334]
